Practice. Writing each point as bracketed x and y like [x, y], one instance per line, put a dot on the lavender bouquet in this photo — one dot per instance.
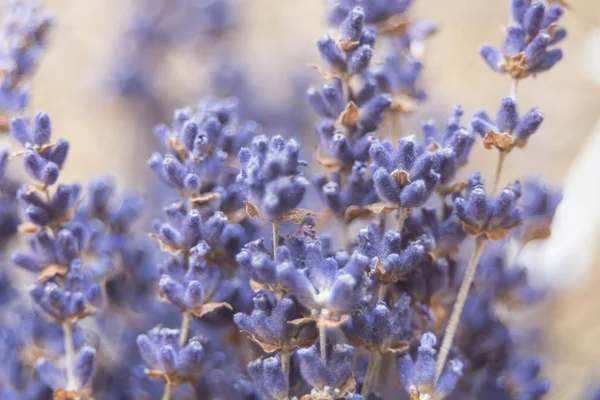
[241, 287]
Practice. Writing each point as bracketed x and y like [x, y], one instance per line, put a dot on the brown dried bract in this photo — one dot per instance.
[178, 148]
[378, 208]
[384, 276]
[28, 228]
[210, 307]
[349, 117]
[395, 25]
[401, 177]
[404, 104]
[502, 141]
[497, 234]
[516, 66]
[63, 394]
[296, 216]
[52, 271]
[456, 187]
[348, 46]
[252, 210]
[164, 246]
[325, 161]
[204, 197]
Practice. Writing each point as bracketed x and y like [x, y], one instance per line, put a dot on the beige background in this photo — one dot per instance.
[279, 35]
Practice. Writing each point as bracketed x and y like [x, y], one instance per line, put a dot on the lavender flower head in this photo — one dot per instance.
[526, 48]
[508, 130]
[417, 374]
[271, 177]
[405, 176]
[169, 361]
[24, 29]
[493, 218]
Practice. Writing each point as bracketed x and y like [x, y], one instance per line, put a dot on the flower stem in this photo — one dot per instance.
[498, 171]
[371, 374]
[275, 237]
[458, 307]
[323, 342]
[285, 364]
[184, 333]
[403, 214]
[395, 122]
[168, 391]
[513, 88]
[67, 328]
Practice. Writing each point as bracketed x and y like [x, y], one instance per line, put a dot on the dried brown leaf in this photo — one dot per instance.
[204, 197]
[296, 216]
[210, 307]
[325, 161]
[401, 177]
[164, 246]
[349, 117]
[53, 270]
[28, 228]
[252, 210]
[502, 141]
[379, 208]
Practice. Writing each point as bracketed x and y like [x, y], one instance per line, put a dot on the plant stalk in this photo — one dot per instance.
[275, 236]
[168, 391]
[372, 373]
[458, 307]
[499, 167]
[184, 333]
[67, 328]
[323, 342]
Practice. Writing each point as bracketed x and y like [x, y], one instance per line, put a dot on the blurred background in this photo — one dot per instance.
[115, 68]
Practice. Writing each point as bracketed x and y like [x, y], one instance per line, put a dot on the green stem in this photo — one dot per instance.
[275, 236]
[323, 342]
[458, 307]
[371, 374]
[168, 391]
[498, 171]
[67, 328]
[184, 333]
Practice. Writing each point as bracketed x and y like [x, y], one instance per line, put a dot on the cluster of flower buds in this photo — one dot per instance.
[82, 372]
[532, 31]
[201, 145]
[404, 176]
[23, 31]
[169, 360]
[417, 374]
[271, 177]
[42, 160]
[482, 216]
[508, 130]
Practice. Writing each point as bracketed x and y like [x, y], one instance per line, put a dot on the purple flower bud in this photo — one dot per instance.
[331, 53]
[83, 368]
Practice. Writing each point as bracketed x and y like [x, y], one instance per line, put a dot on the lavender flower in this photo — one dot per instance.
[539, 202]
[270, 325]
[480, 216]
[417, 374]
[509, 130]
[526, 48]
[79, 298]
[24, 29]
[269, 377]
[271, 177]
[170, 361]
[83, 369]
[331, 380]
[406, 176]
